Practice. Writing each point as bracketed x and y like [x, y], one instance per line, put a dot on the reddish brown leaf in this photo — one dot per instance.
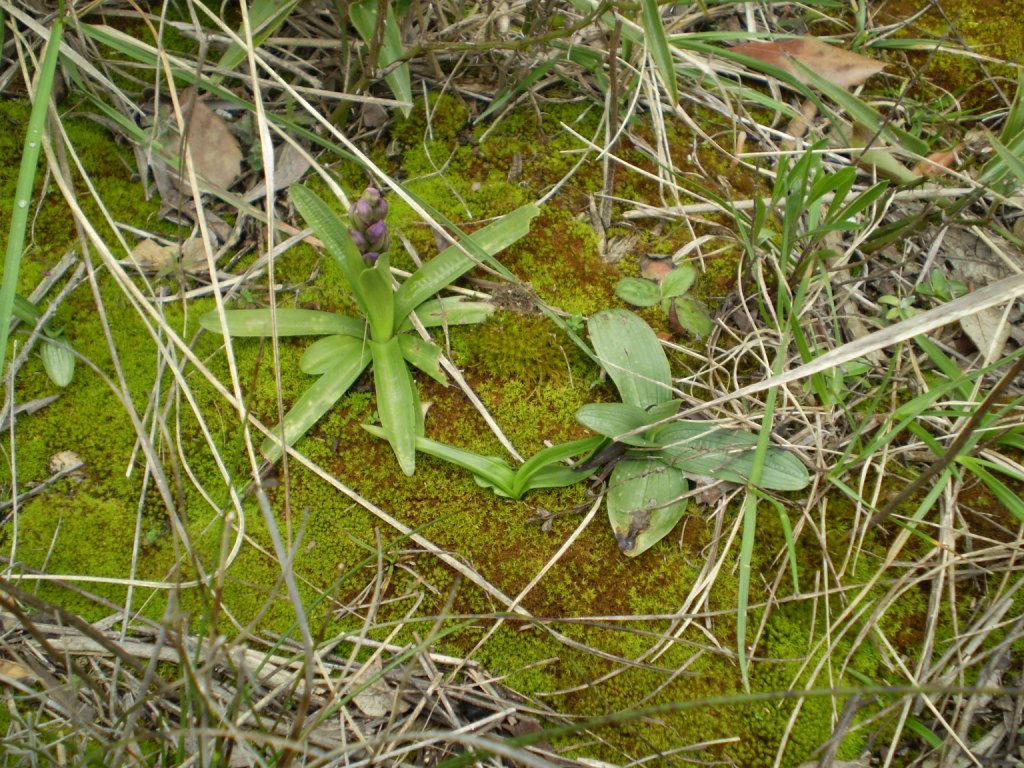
[837, 65]
[936, 163]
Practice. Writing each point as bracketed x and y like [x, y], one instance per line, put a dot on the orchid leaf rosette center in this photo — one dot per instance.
[383, 336]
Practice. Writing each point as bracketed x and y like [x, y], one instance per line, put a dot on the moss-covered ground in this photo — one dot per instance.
[526, 371]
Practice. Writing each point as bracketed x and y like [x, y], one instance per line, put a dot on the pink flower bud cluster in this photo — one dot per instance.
[369, 231]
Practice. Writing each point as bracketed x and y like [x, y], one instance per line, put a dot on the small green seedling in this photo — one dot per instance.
[384, 334]
[684, 310]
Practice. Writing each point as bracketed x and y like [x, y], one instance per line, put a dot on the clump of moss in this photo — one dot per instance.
[440, 118]
[525, 347]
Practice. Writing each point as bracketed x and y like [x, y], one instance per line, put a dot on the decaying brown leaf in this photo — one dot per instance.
[936, 163]
[837, 65]
[216, 154]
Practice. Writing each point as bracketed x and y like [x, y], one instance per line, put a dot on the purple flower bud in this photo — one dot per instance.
[361, 214]
[358, 239]
[377, 237]
[369, 259]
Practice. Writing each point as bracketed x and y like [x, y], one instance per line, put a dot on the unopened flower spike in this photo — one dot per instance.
[369, 231]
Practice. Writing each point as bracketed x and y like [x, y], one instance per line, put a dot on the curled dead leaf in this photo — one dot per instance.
[937, 163]
[837, 65]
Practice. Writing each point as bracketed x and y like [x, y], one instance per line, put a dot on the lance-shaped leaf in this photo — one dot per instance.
[452, 263]
[644, 503]
[450, 310]
[545, 470]
[318, 399]
[488, 471]
[632, 355]
[373, 287]
[290, 322]
[364, 17]
[324, 354]
[423, 355]
[398, 403]
[329, 227]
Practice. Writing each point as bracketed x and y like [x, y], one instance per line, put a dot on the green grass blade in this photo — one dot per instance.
[657, 41]
[363, 15]
[316, 401]
[26, 180]
[398, 404]
[265, 17]
[749, 513]
[452, 263]
[290, 322]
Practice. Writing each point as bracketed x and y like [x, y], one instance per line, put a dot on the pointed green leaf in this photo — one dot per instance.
[543, 470]
[316, 401]
[374, 288]
[488, 471]
[450, 310]
[423, 355]
[324, 354]
[644, 503]
[398, 403]
[632, 355]
[290, 322]
[332, 231]
[452, 263]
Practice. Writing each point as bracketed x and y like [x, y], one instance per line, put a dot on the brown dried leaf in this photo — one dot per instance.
[837, 65]
[14, 671]
[936, 163]
[216, 154]
[153, 258]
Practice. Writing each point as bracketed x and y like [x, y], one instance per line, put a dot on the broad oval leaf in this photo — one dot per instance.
[632, 355]
[58, 361]
[638, 292]
[702, 448]
[644, 503]
[678, 281]
[615, 420]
